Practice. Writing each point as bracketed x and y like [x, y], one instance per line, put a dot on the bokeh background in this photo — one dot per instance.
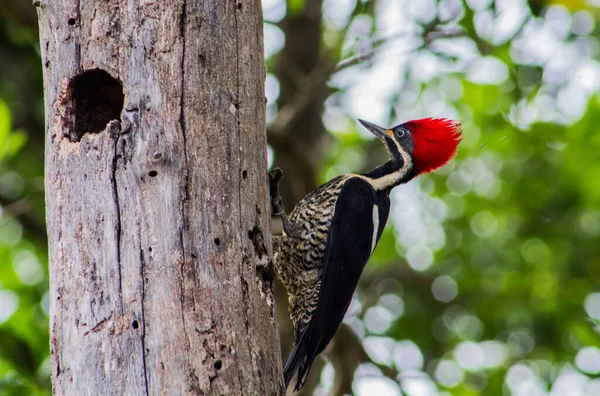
[487, 278]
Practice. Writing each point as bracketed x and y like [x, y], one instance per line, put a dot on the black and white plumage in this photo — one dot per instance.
[327, 241]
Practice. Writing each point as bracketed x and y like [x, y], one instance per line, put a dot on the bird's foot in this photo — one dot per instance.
[277, 208]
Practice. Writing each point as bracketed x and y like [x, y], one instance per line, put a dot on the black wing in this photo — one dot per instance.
[349, 245]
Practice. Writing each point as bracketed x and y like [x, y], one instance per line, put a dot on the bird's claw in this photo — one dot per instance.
[274, 177]
[276, 206]
[276, 201]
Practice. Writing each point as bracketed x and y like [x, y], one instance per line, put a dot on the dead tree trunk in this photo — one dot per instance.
[156, 193]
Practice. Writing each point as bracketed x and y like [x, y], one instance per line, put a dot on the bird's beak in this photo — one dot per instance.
[378, 131]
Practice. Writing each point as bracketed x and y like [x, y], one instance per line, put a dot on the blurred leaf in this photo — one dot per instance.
[15, 143]
[295, 6]
[5, 124]
[10, 143]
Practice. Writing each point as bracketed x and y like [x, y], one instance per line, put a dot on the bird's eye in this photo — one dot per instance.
[400, 132]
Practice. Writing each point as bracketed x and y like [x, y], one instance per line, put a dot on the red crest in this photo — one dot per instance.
[436, 141]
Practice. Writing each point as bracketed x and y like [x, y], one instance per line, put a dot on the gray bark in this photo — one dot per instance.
[156, 194]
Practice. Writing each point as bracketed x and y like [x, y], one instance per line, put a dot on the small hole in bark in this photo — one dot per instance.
[47, 64]
[135, 324]
[218, 365]
[152, 173]
[244, 174]
[93, 99]
[217, 241]
[150, 248]
[240, 6]
[71, 21]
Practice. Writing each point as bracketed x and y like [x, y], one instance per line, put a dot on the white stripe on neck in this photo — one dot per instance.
[386, 181]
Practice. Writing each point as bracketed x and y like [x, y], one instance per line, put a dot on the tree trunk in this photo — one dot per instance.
[156, 193]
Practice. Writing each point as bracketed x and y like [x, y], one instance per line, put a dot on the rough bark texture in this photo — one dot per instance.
[157, 198]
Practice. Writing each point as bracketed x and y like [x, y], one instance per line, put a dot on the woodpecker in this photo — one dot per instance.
[331, 234]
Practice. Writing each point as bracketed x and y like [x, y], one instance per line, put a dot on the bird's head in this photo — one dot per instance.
[428, 143]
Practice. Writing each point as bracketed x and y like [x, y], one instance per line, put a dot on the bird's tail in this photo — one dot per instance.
[298, 361]
[293, 362]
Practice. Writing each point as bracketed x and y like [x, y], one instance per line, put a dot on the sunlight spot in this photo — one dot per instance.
[468, 327]
[558, 19]
[535, 251]
[511, 14]
[425, 67]
[11, 185]
[592, 305]
[380, 386]
[449, 373]
[407, 356]
[455, 206]
[484, 224]
[45, 303]
[271, 88]
[11, 231]
[590, 223]
[270, 156]
[274, 40]
[357, 325]
[379, 349]
[588, 360]
[444, 288]
[520, 379]
[423, 11]
[9, 302]
[27, 267]
[470, 356]
[479, 5]
[417, 383]
[419, 258]
[336, 121]
[583, 23]
[45, 369]
[436, 208]
[572, 101]
[520, 342]
[337, 13]
[593, 387]
[495, 352]
[378, 319]
[452, 88]
[483, 22]
[273, 10]
[488, 70]
[393, 303]
[569, 383]
[327, 381]
[458, 184]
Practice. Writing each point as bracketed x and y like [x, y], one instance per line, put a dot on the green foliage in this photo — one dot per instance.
[10, 143]
[295, 6]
